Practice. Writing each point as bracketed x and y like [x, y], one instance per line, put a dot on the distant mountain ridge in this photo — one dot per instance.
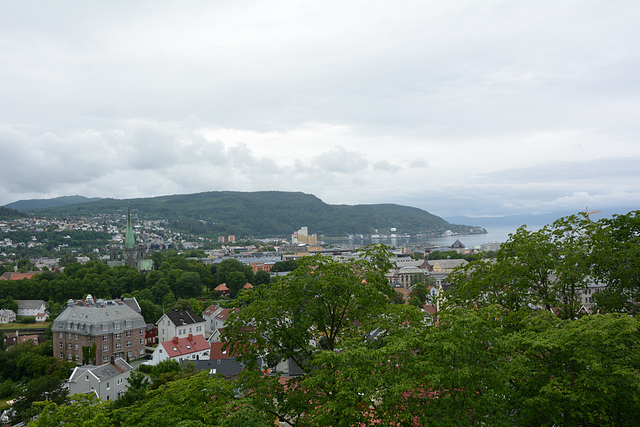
[536, 220]
[31, 204]
[263, 214]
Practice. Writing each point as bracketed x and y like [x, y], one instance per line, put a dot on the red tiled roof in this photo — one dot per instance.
[17, 276]
[430, 309]
[221, 287]
[224, 313]
[248, 286]
[216, 351]
[182, 346]
[211, 309]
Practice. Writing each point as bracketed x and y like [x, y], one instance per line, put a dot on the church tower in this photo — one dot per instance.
[130, 252]
[134, 254]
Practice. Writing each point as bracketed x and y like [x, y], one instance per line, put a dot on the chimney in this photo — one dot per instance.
[175, 340]
[190, 337]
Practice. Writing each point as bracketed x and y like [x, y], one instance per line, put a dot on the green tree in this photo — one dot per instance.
[9, 303]
[25, 265]
[261, 278]
[86, 410]
[534, 269]
[582, 372]
[322, 300]
[159, 290]
[67, 259]
[615, 253]
[283, 266]
[188, 285]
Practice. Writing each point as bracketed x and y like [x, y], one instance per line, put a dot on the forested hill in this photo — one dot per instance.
[8, 214]
[266, 213]
[26, 205]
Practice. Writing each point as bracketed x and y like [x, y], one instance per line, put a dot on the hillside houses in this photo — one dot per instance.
[179, 324]
[191, 347]
[108, 381]
[116, 327]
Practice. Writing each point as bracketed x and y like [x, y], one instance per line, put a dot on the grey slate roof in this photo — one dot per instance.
[99, 318]
[226, 367]
[30, 304]
[102, 372]
[186, 317]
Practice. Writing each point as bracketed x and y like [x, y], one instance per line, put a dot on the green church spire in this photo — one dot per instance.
[129, 239]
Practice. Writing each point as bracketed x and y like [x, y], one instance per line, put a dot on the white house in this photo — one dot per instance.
[7, 316]
[31, 307]
[108, 381]
[179, 324]
[192, 347]
[208, 316]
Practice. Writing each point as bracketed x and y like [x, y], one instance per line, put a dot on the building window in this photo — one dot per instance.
[105, 348]
[61, 345]
[61, 355]
[128, 333]
[105, 338]
[129, 354]
[69, 346]
[128, 343]
[108, 386]
[76, 347]
[86, 378]
[141, 331]
[76, 337]
[118, 335]
[105, 359]
[118, 346]
[60, 335]
[141, 341]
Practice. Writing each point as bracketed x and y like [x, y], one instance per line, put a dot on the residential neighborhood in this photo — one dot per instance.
[158, 327]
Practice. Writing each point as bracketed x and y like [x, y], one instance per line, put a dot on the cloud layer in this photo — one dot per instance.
[481, 108]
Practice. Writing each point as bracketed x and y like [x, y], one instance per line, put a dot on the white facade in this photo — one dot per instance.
[31, 308]
[108, 381]
[7, 316]
[193, 347]
[179, 324]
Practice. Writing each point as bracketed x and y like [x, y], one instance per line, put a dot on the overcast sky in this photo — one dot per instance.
[457, 107]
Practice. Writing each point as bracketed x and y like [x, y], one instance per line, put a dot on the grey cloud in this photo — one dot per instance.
[418, 164]
[385, 166]
[340, 160]
[627, 167]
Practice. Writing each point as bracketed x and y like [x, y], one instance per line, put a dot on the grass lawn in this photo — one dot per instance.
[18, 326]
[3, 404]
